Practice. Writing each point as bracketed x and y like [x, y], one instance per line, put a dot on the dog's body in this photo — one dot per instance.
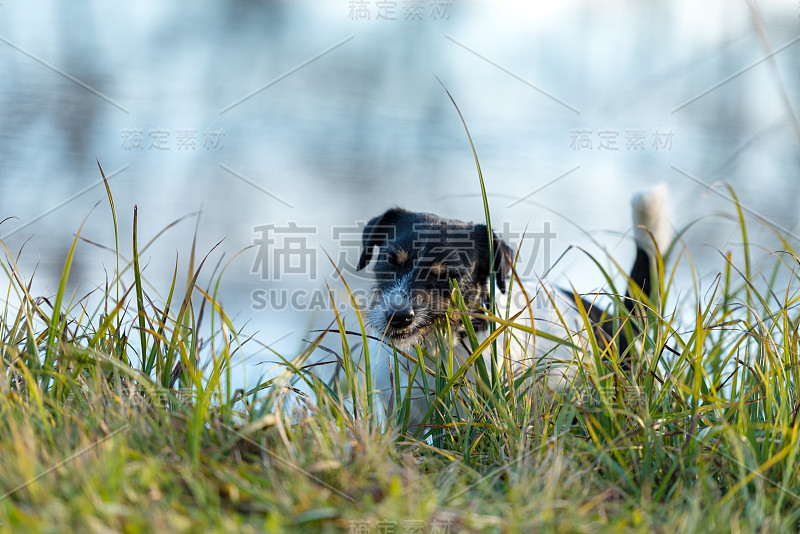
[422, 258]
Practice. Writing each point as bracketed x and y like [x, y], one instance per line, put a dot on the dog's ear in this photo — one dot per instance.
[377, 231]
[503, 256]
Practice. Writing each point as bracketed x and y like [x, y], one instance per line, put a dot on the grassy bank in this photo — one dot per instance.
[121, 417]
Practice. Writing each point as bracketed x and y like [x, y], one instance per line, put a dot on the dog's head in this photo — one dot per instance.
[418, 255]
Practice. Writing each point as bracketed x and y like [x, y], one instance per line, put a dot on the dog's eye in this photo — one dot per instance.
[396, 257]
[444, 271]
[439, 268]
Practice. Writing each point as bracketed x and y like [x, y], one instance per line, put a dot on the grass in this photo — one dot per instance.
[120, 416]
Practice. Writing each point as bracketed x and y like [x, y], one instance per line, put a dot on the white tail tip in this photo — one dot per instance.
[651, 212]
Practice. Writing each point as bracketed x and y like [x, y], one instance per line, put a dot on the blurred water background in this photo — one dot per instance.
[286, 124]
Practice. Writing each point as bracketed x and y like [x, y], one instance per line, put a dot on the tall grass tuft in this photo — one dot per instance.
[118, 412]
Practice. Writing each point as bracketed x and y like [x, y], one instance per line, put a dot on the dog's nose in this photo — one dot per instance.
[402, 317]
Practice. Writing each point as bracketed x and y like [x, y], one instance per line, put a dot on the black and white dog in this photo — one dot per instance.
[421, 257]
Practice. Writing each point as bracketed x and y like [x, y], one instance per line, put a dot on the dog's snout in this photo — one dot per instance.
[401, 317]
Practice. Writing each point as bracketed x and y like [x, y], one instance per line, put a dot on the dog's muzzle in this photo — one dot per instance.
[392, 314]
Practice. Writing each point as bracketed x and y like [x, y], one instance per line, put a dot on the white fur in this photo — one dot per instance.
[651, 212]
[555, 364]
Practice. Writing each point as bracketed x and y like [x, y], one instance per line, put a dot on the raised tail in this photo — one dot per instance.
[651, 231]
[652, 234]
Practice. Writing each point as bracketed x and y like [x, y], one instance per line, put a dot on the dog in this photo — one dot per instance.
[422, 258]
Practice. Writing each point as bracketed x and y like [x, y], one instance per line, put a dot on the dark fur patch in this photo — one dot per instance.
[419, 254]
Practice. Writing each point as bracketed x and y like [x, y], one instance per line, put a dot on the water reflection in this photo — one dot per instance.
[367, 126]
